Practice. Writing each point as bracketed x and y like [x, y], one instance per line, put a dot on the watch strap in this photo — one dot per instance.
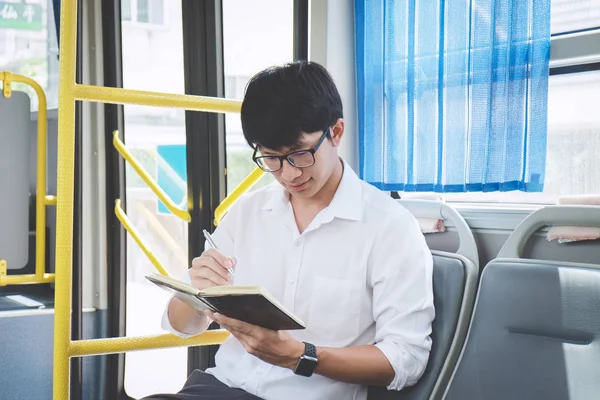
[310, 350]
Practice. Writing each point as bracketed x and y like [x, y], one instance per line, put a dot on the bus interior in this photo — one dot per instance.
[120, 142]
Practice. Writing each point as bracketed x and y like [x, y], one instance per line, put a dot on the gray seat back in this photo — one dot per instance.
[454, 284]
[535, 332]
[15, 121]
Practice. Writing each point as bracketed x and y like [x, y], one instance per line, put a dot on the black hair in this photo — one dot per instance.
[282, 102]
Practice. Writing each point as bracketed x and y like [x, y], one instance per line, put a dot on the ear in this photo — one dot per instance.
[337, 132]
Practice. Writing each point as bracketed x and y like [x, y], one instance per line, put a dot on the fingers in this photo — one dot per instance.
[252, 338]
[226, 262]
[233, 324]
[206, 277]
[211, 266]
[241, 330]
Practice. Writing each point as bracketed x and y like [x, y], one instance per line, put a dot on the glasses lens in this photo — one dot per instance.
[301, 159]
[269, 163]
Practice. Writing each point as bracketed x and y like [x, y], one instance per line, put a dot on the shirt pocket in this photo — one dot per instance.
[335, 309]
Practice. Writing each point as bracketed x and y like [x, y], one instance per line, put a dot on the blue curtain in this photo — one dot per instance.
[452, 95]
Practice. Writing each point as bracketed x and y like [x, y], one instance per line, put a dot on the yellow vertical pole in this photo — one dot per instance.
[40, 198]
[64, 195]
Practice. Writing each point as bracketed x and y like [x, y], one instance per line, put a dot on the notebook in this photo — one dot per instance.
[251, 304]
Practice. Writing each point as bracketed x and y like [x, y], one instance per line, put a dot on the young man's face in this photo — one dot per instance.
[307, 182]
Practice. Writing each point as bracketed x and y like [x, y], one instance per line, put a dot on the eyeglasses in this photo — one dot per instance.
[298, 159]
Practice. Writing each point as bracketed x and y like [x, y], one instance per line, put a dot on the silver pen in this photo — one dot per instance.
[212, 244]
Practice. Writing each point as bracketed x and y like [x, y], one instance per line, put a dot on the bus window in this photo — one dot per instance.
[573, 122]
[153, 60]
[573, 134]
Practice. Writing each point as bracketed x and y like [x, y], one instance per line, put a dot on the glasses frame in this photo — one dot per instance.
[288, 156]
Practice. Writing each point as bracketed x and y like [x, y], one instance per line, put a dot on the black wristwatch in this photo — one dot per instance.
[308, 361]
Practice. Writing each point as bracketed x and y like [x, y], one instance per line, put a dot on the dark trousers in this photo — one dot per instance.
[203, 386]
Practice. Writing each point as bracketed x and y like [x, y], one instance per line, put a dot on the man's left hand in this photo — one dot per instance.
[275, 347]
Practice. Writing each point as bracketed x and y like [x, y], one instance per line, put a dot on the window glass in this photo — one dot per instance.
[28, 46]
[573, 125]
[156, 8]
[143, 11]
[253, 40]
[572, 163]
[126, 10]
[150, 12]
[156, 137]
[574, 15]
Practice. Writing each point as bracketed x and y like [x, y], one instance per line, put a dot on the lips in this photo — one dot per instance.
[297, 188]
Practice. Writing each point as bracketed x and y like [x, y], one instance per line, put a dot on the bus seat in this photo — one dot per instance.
[535, 332]
[454, 283]
[15, 121]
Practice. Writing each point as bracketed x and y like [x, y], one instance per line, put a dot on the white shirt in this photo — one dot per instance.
[361, 273]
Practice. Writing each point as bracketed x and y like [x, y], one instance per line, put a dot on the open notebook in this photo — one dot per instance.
[251, 304]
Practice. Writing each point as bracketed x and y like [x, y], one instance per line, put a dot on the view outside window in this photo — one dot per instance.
[573, 137]
[28, 46]
[153, 60]
[251, 44]
[573, 122]
[574, 15]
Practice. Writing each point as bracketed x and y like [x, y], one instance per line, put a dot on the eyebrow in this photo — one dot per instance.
[298, 146]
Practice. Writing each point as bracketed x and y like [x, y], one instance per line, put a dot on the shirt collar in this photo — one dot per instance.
[346, 202]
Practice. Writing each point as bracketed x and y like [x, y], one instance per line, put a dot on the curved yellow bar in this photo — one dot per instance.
[40, 199]
[136, 236]
[120, 146]
[96, 347]
[244, 186]
[50, 200]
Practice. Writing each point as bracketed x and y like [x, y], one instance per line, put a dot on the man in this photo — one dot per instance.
[338, 253]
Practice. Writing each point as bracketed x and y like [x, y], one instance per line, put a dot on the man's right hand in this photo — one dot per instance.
[210, 269]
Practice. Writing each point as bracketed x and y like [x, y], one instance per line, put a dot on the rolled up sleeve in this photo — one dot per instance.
[165, 323]
[401, 277]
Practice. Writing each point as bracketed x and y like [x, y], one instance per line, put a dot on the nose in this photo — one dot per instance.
[289, 172]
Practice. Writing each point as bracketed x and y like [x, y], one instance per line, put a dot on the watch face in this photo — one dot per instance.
[306, 366]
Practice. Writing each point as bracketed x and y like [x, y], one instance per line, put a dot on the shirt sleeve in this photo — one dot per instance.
[166, 324]
[224, 239]
[401, 277]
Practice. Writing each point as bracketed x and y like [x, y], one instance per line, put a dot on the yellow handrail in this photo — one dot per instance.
[136, 236]
[245, 185]
[69, 92]
[40, 199]
[156, 99]
[126, 154]
[96, 347]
